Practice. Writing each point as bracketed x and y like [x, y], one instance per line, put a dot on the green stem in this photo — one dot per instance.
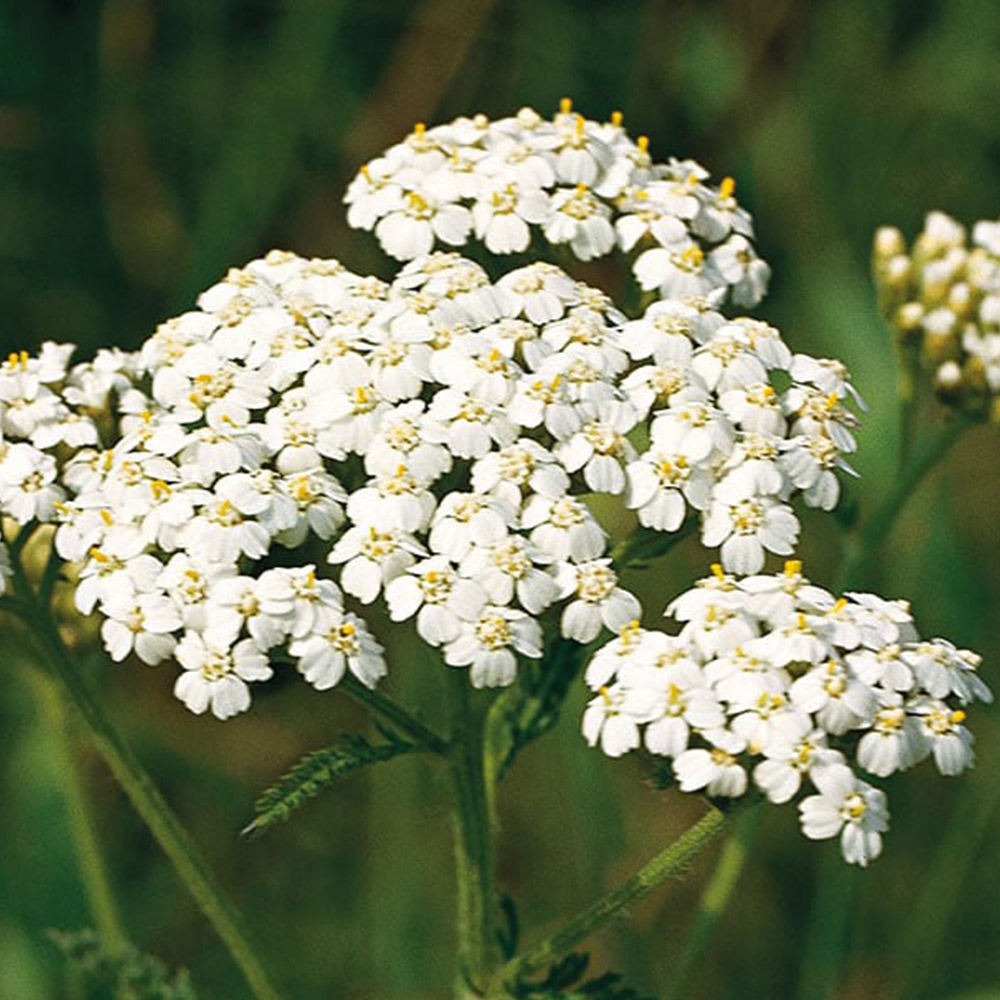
[395, 713]
[863, 550]
[175, 841]
[670, 863]
[86, 842]
[716, 896]
[477, 942]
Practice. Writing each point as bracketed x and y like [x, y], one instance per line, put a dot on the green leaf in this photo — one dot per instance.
[131, 973]
[320, 769]
[561, 982]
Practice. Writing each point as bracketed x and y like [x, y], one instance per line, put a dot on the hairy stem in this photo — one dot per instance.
[86, 841]
[137, 784]
[473, 842]
[393, 712]
[670, 863]
[716, 896]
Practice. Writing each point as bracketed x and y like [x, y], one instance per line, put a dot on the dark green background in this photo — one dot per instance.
[146, 147]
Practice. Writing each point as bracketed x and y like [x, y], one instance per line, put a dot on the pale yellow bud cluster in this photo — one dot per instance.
[942, 298]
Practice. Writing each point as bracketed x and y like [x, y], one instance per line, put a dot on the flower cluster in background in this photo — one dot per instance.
[773, 680]
[942, 297]
[581, 184]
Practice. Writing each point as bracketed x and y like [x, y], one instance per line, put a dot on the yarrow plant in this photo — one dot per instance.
[238, 495]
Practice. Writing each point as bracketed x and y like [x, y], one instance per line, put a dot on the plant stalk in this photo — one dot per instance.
[86, 841]
[395, 713]
[716, 896]
[477, 942]
[137, 784]
[670, 863]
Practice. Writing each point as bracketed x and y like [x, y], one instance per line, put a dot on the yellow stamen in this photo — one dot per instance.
[643, 143]
[693, 256]
[718, 571]
[616, 118]
[107, 518]
[726, 188]
[958, 716]
[419, 129]
[565, 105]
[416, 201]
[839, 606]
[793, 567]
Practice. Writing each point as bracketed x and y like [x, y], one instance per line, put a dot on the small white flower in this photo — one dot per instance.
[142, 622]
[607, 720]
[849, 807]
[598, 600]
[438, 596]
[216, 676]
[488, 646]
[340, 643]
[718, 770]
[372, 559]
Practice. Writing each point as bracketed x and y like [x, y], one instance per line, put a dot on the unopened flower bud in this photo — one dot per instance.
[959, 299]
[888, 243]
[908, 319]
[948, 379]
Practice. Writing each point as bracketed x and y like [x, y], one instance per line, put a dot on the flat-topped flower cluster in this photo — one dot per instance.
[774, 678]
[584, 185]
[440, 434]
[943, 295]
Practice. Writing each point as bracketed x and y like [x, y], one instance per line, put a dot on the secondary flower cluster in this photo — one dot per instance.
[439, 434]
[943, 295]
[582, 184]
[773, 676]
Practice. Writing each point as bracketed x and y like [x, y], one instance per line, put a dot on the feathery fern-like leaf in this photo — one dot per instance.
[130, 973]
[319, 769]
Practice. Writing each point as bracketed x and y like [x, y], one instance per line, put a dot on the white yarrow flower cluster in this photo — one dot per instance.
[583, 184]
[771, 680]
[434, 440]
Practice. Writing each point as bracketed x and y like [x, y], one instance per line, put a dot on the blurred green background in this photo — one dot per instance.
[146, 147]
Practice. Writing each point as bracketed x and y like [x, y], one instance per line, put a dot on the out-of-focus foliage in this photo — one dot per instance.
[145, 148]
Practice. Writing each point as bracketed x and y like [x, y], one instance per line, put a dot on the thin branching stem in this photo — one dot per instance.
[138, 785]
[477, 941]
[715, 897]
[82, 828]
[672, 862]
[393, 712]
